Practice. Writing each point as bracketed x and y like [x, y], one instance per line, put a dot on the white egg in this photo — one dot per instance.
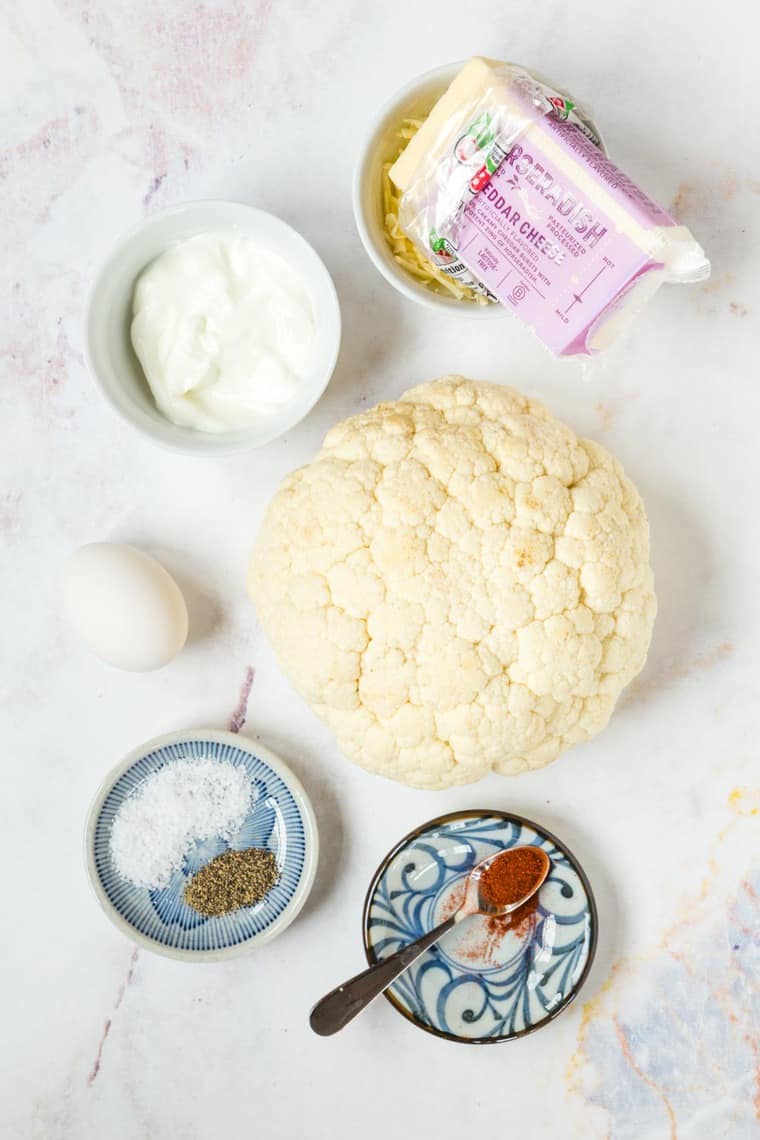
[124, 606]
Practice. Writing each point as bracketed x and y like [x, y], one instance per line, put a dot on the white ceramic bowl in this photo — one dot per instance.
[281, 820]
[108, 314]
[381, 145]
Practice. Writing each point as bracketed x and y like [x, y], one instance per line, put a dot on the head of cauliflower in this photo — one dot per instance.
[457, 583]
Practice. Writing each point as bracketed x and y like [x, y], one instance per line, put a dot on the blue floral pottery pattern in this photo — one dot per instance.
[274, 822]
[476, 985]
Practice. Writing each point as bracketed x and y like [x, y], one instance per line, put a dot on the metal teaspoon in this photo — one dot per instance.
[341, 1005]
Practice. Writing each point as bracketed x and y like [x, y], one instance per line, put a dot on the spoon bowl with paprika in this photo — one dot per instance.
[497, 887]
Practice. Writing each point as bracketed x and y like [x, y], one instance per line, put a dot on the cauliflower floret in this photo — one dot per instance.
[456, 584]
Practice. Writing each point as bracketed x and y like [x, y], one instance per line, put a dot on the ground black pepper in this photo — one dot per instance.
[232, 880]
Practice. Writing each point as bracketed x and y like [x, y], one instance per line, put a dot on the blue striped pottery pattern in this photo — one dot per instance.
[476, 985]
[277, 821]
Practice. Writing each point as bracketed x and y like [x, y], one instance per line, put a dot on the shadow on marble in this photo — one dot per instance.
[684, 572]
[203, 611]
[204, 614]
[376, 321]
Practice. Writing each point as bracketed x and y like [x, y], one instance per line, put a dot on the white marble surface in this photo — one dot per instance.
[109, 110]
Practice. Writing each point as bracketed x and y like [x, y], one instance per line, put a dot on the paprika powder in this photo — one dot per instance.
[507, 881]
[504, 882]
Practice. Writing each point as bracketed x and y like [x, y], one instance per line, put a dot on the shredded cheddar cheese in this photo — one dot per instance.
[403, 248]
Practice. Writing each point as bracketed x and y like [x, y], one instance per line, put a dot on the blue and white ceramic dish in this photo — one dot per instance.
[281, 819]
[484, 982]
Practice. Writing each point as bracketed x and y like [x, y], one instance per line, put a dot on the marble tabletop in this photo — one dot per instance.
[113, 110]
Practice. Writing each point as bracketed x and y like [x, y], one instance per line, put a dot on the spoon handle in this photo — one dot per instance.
[341, 1005]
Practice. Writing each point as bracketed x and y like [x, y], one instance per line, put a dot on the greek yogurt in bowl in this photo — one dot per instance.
[224, 331]
[238, 324]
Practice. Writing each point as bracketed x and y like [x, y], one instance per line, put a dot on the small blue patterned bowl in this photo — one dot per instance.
[281, 819]
[486, 980]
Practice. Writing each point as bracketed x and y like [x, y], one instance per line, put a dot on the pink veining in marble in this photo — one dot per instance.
[238, 718]
[671, 1045]
[109, 1020]
[192, 55]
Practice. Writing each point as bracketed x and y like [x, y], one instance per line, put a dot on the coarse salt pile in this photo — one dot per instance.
[186, 801]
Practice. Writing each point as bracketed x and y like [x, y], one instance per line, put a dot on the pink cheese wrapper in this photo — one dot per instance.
[564, 266]
[510, 194]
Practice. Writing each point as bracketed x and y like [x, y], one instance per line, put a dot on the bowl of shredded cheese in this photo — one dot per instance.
[376, 201]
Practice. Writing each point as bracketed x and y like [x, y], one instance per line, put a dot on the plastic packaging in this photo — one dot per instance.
[506, 189]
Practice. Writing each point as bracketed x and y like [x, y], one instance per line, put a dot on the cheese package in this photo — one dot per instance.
[506, 188]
